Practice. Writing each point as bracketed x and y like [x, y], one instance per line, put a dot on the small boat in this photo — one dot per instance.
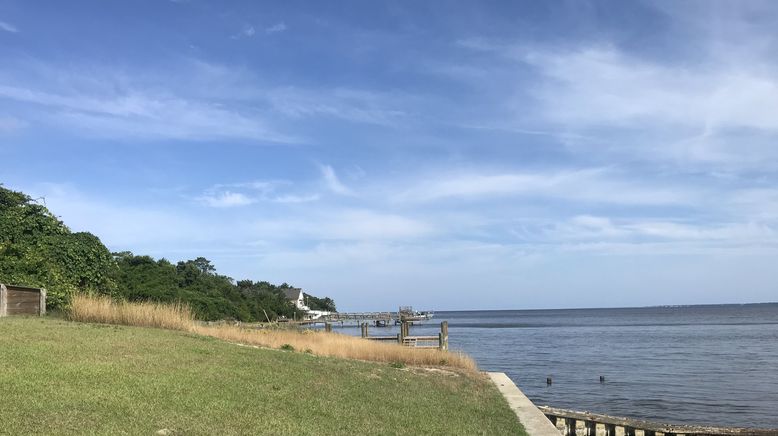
[407, 314]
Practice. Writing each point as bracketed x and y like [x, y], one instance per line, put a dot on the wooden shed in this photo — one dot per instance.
[21, 300]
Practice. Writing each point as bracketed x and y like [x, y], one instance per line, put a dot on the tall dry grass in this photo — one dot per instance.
[102, 309]
[338, 345]
[179, 317]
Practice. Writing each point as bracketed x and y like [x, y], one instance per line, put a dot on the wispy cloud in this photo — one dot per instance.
[590, 185]
[275, 28]
[135, 111]
[247, 193]
[8, 27]
[602, 85]
[226, 199]
[332, 181]
[353, 105]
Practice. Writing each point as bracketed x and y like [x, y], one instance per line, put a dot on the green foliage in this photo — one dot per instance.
[37, 249]
[212, 296]
[315, 303]
[287, 347]
[398, 365]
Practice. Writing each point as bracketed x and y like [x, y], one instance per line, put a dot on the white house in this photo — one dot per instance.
[295, 296]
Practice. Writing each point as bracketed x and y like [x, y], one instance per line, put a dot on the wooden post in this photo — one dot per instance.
[327, 327]
[443, 337]
[629, 431]
[399, 338]
[3, 300]
[649, 433]
[570, 427]
[610, 429]
[364, 330]
[42, 308]
[590, 428]
[552, 418]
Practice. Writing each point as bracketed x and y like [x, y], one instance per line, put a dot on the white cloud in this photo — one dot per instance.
[249, 31]
[8, 27]
[602, 86]
[296, 198]
[226, 199]
[278, 27]
[138, 114]
[353, 105]
[592, 185]
[246, 193]
[333, 182]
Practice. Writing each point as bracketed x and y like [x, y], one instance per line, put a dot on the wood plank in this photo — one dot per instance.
[654, 426]
[23, 300]
[22, 307]
[22, 304]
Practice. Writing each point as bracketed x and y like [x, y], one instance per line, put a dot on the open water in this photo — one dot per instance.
[713, 365]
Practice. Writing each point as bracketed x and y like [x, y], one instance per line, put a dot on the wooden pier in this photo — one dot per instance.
[378, 319]
[572, 423]
[440, 341]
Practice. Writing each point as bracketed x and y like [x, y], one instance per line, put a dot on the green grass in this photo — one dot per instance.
[59, 377]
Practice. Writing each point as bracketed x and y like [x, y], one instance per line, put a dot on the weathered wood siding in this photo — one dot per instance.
[20, 300]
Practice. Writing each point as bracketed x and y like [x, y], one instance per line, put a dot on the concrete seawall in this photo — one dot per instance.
[533, 420]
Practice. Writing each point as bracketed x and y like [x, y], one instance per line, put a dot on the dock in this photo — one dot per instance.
[378, 319]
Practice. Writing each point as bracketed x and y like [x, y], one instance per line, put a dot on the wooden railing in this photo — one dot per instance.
[572, 423]
[406, 339]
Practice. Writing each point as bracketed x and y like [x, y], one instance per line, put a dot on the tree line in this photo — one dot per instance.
[37, 249]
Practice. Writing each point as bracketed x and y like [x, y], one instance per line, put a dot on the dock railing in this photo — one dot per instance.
[573, 423]
[440, 341]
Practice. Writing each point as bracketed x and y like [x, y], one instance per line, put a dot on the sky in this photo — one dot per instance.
[445, 155]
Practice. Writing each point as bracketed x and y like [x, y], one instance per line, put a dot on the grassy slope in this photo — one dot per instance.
[59, 377]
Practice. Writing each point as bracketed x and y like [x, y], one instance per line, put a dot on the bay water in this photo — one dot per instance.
[711, 365]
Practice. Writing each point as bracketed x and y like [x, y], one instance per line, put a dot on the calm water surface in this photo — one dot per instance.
[714, 365]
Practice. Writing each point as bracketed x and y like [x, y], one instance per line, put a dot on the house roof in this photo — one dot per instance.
[293, 293]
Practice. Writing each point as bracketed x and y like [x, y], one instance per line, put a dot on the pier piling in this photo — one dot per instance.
[443, 336]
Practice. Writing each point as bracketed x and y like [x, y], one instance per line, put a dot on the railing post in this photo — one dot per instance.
[443, 337]
[552, 418]
[3, 300]
[570, 427]
[42, 308]
[610, 429]
[649, 433]
[590, 428]
[629, 431]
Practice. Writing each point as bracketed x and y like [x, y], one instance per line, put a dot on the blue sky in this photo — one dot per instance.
[448, 155]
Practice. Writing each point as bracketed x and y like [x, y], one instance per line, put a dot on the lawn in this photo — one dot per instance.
[60, 377]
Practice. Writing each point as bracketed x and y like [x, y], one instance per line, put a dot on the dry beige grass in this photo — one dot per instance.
[86, 308]
[179, 317]
[338, 345]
